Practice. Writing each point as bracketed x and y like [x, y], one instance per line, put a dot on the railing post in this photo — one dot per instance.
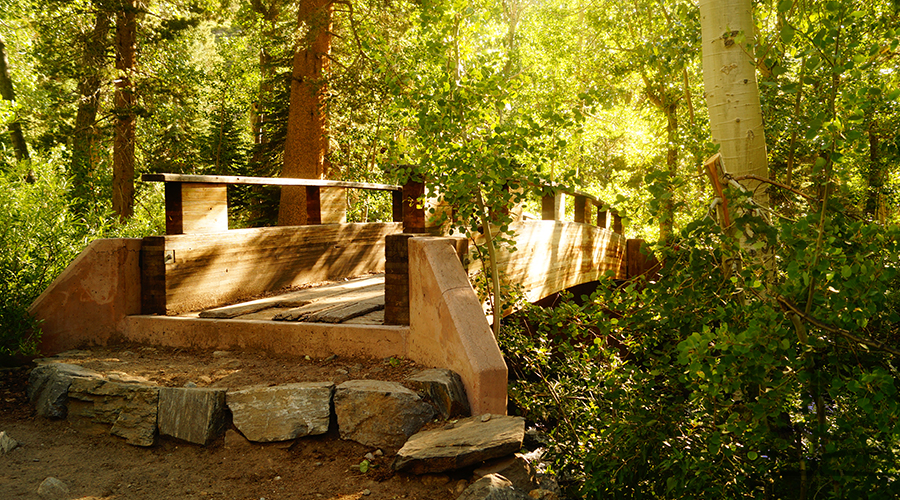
[396, 279]
[313, 205]
[582, 209]
[602, 217]
[552, 206]
[413, 212]
[617, 223]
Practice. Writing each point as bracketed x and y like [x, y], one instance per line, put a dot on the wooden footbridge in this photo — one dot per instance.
[367, 290]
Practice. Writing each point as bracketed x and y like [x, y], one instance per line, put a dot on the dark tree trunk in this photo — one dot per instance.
[306, 144]
[875, 178]
[7, 92]
[667, 207]
[123, 148]
[85, 137]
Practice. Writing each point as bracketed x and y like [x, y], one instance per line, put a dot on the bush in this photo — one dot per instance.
[40, 236]
[708, 384]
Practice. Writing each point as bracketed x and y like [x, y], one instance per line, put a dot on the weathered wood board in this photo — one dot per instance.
[553, 256]
[181, 273]
[291, 299]
[326, 309]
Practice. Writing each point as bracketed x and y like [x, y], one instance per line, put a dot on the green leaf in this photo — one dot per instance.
[787, 33]
[785, 5]
[752, 455]
[846, 272]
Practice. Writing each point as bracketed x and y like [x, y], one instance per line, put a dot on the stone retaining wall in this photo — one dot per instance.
[372, 412]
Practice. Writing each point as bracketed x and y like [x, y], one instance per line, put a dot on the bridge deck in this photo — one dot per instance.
[358, 301]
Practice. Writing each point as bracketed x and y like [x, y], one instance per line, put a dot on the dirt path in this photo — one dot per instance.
[103, 467]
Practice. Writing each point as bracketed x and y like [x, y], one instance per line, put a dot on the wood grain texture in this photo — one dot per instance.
[333, 205]
[265, 181]
[318, 310]
[207, 272]
[292, 299]
[153, 276]
[553, 256]
[204, 208]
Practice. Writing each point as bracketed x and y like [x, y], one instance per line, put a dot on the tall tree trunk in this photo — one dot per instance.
[6, 91]
[729, 78]
[306, 144]
[875, 178]
[667, 207]
[85, 137]
[269, 12]
[123, 148]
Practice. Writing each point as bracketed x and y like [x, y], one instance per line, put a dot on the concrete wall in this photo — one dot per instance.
[318, 340]
[88, 302]
[447, 326]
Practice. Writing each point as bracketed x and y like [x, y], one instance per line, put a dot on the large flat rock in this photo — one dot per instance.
[195, 415]
[125, 410]
[48, 387]
[380, 414]
[468, 441]
[283, 412]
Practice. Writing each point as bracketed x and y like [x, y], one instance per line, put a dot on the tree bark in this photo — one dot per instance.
[123, 147]
[875, 177]
[306, 144]
[85, 137]
[729, 78]
[667, 207]
[20, 147]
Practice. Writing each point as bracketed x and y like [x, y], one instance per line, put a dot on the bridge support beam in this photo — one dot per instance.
[447, 324]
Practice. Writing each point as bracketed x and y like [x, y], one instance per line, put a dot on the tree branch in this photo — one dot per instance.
[832, 329]
[774, 183]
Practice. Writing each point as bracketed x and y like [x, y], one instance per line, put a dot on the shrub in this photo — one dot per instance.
[40, 236]
[715, 384]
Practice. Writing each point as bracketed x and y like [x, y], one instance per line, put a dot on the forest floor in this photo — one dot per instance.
[104, 467]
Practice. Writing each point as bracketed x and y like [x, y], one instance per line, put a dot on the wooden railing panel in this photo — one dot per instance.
[184, 273]
[551, 256]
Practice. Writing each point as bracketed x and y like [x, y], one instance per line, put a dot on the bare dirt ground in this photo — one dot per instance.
[103, 467]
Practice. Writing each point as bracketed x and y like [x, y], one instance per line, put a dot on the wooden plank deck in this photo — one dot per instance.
[354, 301]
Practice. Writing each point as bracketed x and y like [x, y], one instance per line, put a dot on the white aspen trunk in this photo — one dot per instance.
[729, 79]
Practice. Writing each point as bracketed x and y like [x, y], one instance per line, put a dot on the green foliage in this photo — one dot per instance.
[700, 385]
[40, 235]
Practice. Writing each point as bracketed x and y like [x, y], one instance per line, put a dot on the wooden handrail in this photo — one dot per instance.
[199, 203]
[265, 181]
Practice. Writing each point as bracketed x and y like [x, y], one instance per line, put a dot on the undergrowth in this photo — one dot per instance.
[724, 378]
[40, 235]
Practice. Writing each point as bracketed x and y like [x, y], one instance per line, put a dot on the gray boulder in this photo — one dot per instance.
[493, 487]
[7, 443]
[48, 387]
[125, 410]
[283, 412]
[467, 442]
[195, 415]
[379, 414]
[52, 488]
[445, 390]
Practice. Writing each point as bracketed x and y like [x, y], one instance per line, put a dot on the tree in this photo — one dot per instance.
[86, 136]
[729, 77]
[306, 145]
[123, 155]
[7, 93]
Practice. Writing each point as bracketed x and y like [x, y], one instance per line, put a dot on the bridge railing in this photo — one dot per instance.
[199, 203]
[553, 207]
